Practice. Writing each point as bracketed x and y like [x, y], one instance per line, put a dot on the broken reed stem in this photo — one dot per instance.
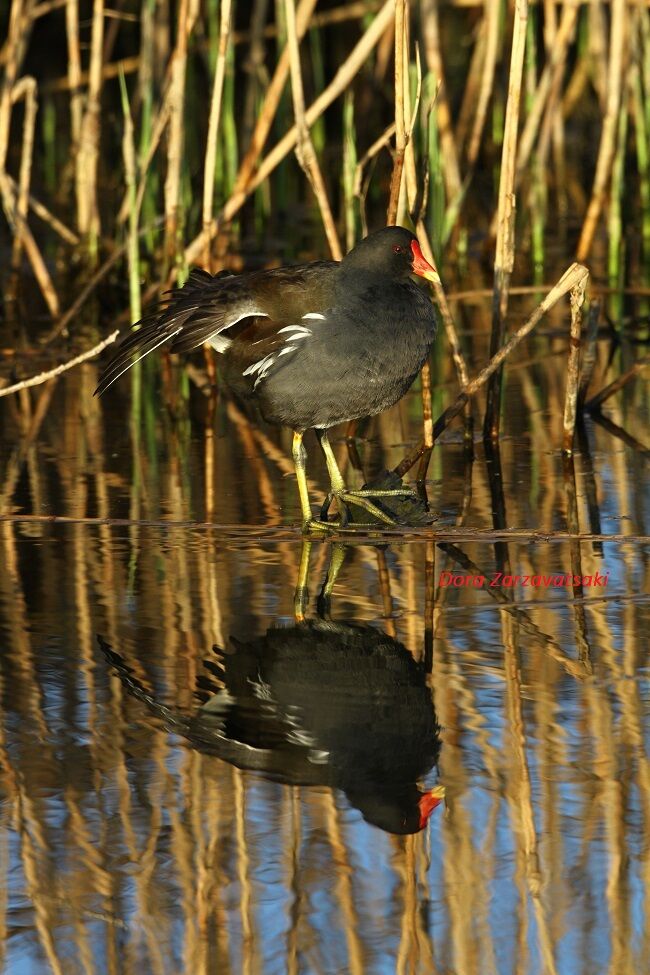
[571, 278]
[305, 152]
[353, 63]
[607, 145]
[596, 401]
[43, 377]
[505, 244]
[213, 126]
[400, 122]
[573, 365]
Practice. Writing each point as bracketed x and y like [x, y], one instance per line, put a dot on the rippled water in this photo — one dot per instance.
[192, 781]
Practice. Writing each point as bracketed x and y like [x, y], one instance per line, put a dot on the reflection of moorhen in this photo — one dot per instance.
[319, 703]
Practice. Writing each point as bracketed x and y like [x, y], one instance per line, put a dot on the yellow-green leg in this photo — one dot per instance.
[300, 463]
[343, 495]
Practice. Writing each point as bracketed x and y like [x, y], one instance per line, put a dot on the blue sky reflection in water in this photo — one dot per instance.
[125, 848]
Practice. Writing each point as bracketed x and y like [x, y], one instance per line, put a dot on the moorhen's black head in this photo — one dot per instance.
[402, 811]
[392, 253]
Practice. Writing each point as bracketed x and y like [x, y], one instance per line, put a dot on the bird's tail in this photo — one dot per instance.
[181, 310]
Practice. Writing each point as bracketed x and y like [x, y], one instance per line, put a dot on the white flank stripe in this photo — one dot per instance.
[316, 315]
[298, 329]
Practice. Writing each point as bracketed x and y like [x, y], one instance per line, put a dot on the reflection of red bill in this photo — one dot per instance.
[421, 266]
[428, 803]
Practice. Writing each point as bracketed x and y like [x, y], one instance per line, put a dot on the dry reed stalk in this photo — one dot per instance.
[109, 71]
[491, 18]
[401, 137]
[159, 125]
[255, 68]
[187, 14]
[25, 89]
[469, 101]
[569, 280]
[305, 152]
[607, 147]
[443, 308]
[548, 83]
[213, 126]
[15, 196]
[87, 156]
[505, 244]
[272, 97]
[15, 48]
[74, 79]
[39, 267]
[62, 324]
[130, 171]
[353, 63]
[597, 401]
[553, 127]
[41, 211]
[573, 366]
[51, 373]
[431, 30]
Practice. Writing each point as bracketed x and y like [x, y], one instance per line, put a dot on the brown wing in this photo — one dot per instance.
[206, 306]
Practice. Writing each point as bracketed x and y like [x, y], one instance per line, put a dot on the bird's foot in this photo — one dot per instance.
[360, 499]
[316, 527]
[386, 501]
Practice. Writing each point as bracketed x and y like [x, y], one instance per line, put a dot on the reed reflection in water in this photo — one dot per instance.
[127, 848]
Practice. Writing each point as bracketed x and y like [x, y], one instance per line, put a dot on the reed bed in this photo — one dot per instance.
[141, 175]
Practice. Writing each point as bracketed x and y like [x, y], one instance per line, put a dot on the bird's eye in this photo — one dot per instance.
[397, 249]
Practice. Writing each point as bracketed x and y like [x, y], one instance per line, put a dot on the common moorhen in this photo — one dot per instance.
[319, 703]
[313, 345]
